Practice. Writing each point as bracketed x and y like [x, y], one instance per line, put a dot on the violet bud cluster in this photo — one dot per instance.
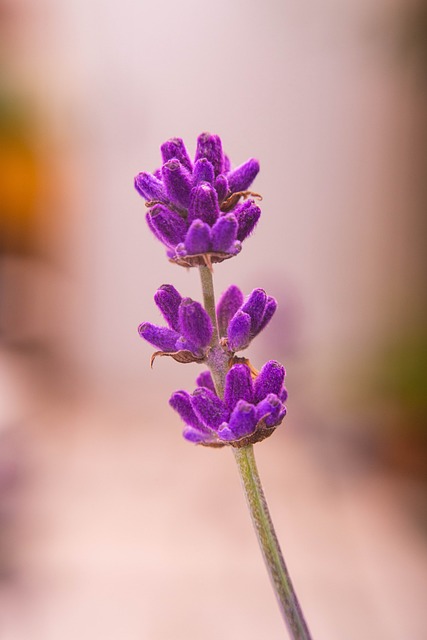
[249, 407]
[190, 328]
[194, 207]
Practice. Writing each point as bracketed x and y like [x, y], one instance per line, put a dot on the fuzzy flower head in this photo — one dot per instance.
[189, 332]
[195, 207]
[250, 411]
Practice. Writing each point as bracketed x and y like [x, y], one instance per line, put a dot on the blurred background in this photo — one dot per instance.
[111, 526]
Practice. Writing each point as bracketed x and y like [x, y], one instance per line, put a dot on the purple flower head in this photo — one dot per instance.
[195, 208]
[249, 412]
[189, 326]
[241, 320]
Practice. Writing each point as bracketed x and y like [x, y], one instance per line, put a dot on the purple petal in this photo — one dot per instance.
[181, 402]
[168, 300]
[224, 233]
[270, 308]
[238, 386]
[196, 436]
[203, 172]
[221, 186]
[239, 331]
[162, 338]
[247, 214]
[150, 187]
[229, 302]
[205, 380]
[254, 307]
[209, 408]
[194, 323]
[270, 410]
[269, 380]
[175, 148]
[177, 181]
[210, 147]
[242, 177]
[198, 239]
[227, 164]
[167, 225]
[242, 422]
[203, 204]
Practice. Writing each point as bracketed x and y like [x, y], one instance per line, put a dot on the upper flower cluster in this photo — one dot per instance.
[249, 412]
[194, 207]
[190, 329]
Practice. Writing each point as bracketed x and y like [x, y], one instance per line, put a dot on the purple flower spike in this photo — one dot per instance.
[204, 204]
[203, 172]
[224, 233]
[198, 238]
[210, 147]
[230, 301]
[238, 386]
[194, 323]
[269, 380]
[209, 408]
[247, 214]
[168, 225]
[175, 148]
[168, 300]
[239, 331]
[162, 338]
[242, 177]
[150, 187]
[243, 422]
[178, 182]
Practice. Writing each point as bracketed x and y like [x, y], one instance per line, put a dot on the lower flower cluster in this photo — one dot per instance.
[250, 411]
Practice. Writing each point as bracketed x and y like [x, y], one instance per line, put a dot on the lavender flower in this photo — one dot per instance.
[249, 412]
[195, 208]
[241, 321]
[189, 326]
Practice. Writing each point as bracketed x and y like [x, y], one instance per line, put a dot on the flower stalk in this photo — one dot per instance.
[202, 212]
[273, 558]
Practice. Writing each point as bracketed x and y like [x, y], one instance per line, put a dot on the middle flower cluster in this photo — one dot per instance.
[190, 328]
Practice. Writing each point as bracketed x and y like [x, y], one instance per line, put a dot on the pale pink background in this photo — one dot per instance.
[120, 529]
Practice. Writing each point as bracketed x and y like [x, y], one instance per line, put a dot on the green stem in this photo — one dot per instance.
[285, 593]
[209, 300]
[217, 360]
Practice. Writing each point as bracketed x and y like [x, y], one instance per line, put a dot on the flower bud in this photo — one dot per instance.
[210, 147]
[168, 300]
[177, 181]
[175, 148]
[242, 177]
[194, 323]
